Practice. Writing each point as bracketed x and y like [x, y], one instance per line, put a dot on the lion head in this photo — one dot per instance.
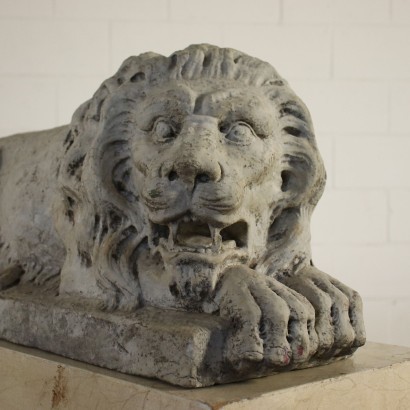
[180, 167]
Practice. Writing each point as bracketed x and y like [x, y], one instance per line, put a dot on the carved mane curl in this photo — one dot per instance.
[100, 203]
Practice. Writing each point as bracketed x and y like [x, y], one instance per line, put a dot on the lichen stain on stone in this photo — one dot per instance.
[59, 388]
[220, 405]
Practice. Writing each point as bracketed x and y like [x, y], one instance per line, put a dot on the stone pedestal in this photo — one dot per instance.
[186, 350]
[376, 377]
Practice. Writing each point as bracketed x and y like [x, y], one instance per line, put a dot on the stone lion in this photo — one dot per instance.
[186, 182]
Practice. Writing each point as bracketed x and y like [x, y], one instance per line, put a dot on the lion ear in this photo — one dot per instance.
[293, 182]
[298, 175]
[303, 181]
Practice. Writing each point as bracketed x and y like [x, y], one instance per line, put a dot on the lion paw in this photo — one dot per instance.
[270, 322]
[338, 310]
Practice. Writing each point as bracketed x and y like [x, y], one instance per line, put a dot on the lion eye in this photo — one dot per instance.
[163, 130]
[240, 133]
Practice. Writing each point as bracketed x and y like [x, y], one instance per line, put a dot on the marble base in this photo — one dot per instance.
[376, 377]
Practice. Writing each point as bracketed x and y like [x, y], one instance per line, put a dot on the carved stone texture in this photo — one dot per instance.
[165, 231]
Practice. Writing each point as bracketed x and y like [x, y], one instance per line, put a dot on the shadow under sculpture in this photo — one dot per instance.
[165, 231]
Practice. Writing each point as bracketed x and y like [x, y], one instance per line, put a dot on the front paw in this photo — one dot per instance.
[269, 322]
[338, 310]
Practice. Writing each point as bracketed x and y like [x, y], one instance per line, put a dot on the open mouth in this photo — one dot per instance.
[188, 234]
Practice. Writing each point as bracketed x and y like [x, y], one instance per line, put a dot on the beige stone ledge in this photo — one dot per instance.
[376, 377]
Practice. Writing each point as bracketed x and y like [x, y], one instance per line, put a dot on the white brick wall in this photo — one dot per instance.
[364, 106]
[372, 52]
[260, 11]
[399, 217]
[285, 47]
[107, 10]
[348, 59]
[336, 11]
[351, 217]
[130, 38]
[401, 11]
[54, 47]
[380, 162]
[26, 8]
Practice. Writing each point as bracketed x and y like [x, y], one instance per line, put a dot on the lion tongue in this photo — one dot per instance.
[195, 241]
[188, 235]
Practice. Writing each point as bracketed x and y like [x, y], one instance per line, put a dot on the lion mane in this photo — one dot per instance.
[98, 212]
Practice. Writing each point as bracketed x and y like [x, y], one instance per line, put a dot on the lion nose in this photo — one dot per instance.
[193, 171]
[196, 152]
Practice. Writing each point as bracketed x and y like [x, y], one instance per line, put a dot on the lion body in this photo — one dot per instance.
[28, 186]
[74, 199]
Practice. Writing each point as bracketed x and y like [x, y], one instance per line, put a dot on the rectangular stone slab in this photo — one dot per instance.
[145, 342]
[178, 347]
[376, 377]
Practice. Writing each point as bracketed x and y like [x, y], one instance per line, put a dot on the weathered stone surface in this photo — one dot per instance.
[150, 342]
[185, 183]
[187, 350]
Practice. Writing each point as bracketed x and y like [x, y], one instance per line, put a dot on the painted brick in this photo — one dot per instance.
[302, 52]
[373, 270]
[27, 104]
[26, 8]
[107, 9]
[400, 107]
[53, 47]
[369, 52]
[5, 132]
[72, 92]
[363, 11]
[372, 162]
[323, 257]
[307, 11]
[350, 216]
[346, 107]
[325, 145]
[132, 39]
[401, 11]
[400, 334]
[336, 11]
[378, 319]
[258, 11]
[399, 202]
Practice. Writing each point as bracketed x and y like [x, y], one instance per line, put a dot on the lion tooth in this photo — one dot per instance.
[173, 228]
[151, 243]
[201, 250]
[216, 238]
[186, 218]
[156, 248]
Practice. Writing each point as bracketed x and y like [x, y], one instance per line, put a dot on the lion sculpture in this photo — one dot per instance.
[185, 183]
